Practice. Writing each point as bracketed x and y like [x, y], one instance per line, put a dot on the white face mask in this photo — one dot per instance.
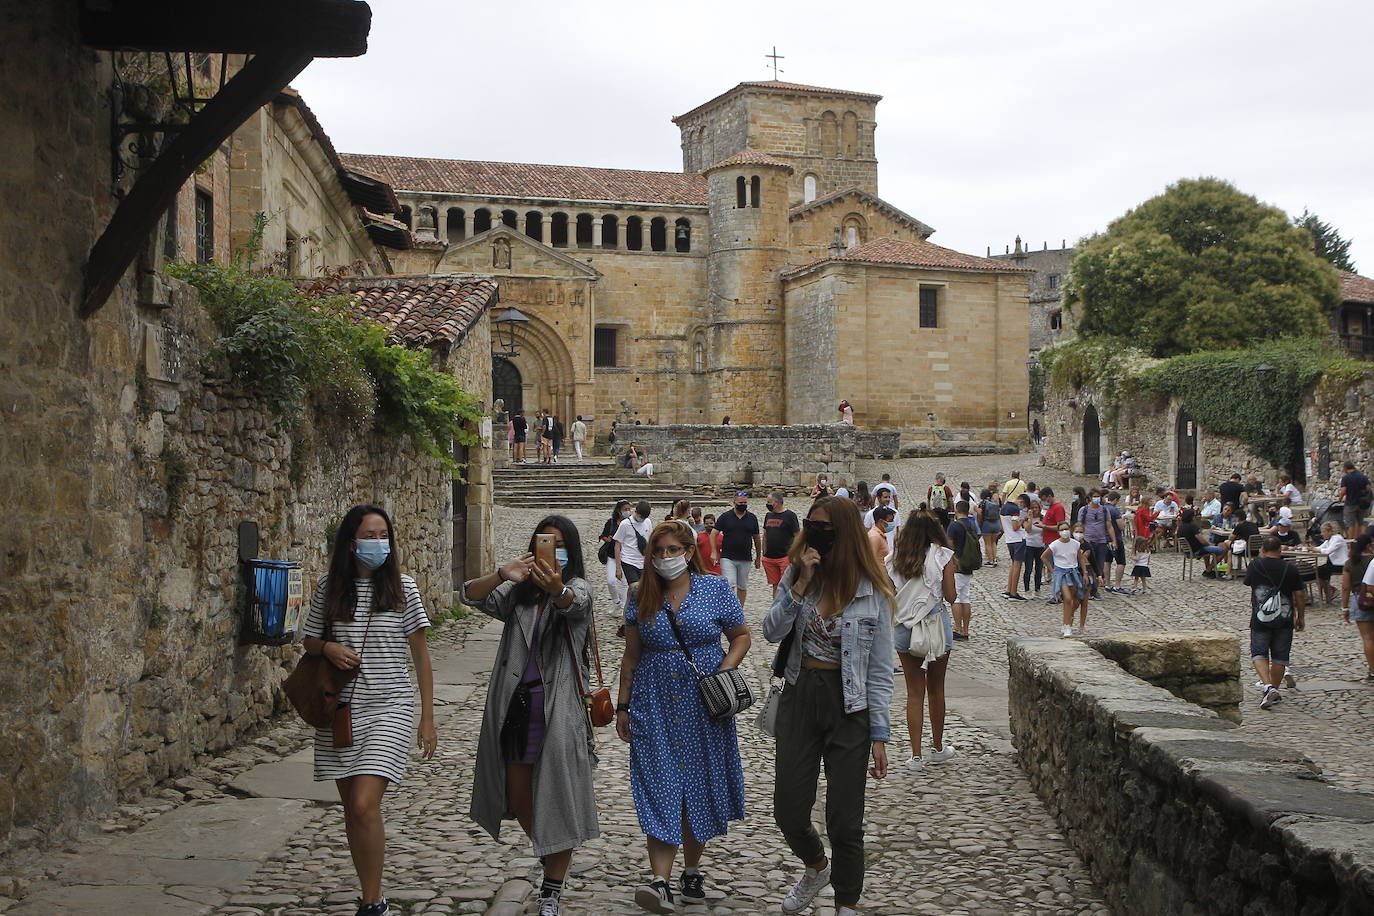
[1079, 535]
[1063, 535]
[671, 567]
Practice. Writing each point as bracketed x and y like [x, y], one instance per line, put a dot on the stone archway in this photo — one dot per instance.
[544, 370]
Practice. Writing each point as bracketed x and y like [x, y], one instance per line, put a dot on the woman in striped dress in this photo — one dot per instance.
[366, 616]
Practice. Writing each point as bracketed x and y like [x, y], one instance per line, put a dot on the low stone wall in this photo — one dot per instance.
[760, 456]
[1202, 667]
[1172, 810]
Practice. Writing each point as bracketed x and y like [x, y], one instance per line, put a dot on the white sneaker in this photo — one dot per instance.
[940, 756]
[1271, 696]
[1066, 632]
[806, 889]
[915, 765]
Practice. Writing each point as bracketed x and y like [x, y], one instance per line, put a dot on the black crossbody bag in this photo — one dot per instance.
[725, 693]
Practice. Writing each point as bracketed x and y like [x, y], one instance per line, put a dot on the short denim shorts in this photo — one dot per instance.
[736, 572]
[1357, 615]
[1275, 645]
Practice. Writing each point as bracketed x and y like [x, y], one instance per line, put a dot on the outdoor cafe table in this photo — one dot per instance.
[1257, 503]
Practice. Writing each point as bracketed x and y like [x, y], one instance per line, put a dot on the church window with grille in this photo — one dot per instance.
[930, 307]
[1055, 281]
[755, 191]
[604, 347]
[205, 227]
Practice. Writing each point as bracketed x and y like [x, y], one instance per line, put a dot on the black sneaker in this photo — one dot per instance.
[692, 888]
[375, 909]
[656, 897]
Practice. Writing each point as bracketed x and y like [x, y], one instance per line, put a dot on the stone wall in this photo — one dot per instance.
[759, 456]
[1337, 418]
[1172, 811]
[125, 468]
[1202, 667]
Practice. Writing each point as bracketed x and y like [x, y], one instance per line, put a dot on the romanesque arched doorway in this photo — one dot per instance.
[1185, 448]
[1092, 442]
[506, 384]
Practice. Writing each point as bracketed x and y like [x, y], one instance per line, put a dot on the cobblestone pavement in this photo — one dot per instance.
[965, 838]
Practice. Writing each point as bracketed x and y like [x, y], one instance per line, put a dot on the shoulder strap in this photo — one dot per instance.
[672, 621]
[595, 645]
[366, 630]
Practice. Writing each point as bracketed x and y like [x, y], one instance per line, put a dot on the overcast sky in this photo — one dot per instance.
[1046, 119]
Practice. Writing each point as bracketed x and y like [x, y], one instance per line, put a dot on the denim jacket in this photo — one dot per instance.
[866, 653]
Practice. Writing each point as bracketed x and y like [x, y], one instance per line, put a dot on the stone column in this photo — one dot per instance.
[546, 228]
[441, 223]
[468, 217]
[596, 232]
[622, 242]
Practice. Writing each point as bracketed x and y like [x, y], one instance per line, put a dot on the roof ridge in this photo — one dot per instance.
[539, 165]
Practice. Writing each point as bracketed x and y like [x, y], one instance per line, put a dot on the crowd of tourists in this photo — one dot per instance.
[859, 593]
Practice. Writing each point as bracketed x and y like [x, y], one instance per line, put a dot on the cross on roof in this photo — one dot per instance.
[776, 57]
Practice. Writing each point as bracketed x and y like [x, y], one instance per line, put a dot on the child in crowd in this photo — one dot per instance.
[1094, 577]
[1140, 573]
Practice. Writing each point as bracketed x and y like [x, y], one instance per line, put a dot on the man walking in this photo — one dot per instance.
[1114, 519]
[579, 435]
[631, 540]
[780, 527]
[740, 544]
[1013, 488]
[521, 428]
[1050, 518]
[1277, 609]
[961, 529]
[1099, 536]
[886, 484]
[939, 499]
[1355, 497]
[883, 500]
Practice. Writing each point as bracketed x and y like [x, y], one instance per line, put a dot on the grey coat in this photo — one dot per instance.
[564, 800]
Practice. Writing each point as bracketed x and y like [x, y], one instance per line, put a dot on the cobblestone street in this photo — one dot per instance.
[968, 837]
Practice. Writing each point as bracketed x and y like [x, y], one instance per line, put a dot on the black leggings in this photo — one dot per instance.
[1033, 561]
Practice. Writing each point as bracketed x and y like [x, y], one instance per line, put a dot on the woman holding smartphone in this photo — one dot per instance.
[535, 751]
[365, 616]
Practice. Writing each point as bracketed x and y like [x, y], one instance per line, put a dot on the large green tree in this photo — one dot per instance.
[1201, 267]
[1326, 241]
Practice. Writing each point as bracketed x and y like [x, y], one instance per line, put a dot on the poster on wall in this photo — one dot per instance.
[484, 432]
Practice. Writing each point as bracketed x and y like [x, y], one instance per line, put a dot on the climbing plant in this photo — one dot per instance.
[288, 348]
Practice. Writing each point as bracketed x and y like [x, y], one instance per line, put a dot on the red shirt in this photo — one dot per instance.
[1143, 517]
[704, 550]
[1051, 518]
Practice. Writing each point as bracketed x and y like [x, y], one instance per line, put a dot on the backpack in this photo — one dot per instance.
[939, 498]
[971, 557]
[1270, 609]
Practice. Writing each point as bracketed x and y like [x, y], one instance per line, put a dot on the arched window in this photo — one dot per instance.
[755, 191]
[481, 221]
[558, 235]
[534, 225]
[610, 231]
[510, 218]
[456, 225]
[855, 231]
[634, 233]
[849, 135]
[699, 355]
[404, 215]
[830, 134]
[741, 193]
[682, 235]
[808, 189]
[584, 230]
[658, 234]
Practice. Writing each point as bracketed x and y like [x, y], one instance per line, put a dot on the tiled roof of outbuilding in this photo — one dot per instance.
[529, 180]
[1355, 288]
[779, 86]
[913, 254]
[751, 157]
[420, 311]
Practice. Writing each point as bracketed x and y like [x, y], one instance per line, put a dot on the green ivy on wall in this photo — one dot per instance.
[289, 349]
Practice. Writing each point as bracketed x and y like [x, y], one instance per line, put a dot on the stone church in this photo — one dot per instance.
[764, 282]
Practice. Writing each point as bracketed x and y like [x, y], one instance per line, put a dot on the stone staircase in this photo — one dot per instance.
[572, 484]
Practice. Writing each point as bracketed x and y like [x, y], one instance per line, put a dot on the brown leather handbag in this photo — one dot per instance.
[600, 710]
[315, 686]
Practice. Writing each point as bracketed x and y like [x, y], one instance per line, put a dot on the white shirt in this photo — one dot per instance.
[1011, 532]
[629, 544]
[1335, 549]
[889, 488]
[1212, 507]
[1143, 559]
[1065, 553]
[1291, 491]
[868, 516]
[1286, 512]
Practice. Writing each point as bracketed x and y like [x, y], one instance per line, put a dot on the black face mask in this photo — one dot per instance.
[822, 539]
[741, 508]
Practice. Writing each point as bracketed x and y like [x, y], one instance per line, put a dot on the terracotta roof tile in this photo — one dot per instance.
[913, 254]
[779, 86]
[751, 157]
[528, 180]
[1356, 288]
[420, 311]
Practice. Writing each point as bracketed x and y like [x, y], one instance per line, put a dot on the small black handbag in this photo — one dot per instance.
[725, 693]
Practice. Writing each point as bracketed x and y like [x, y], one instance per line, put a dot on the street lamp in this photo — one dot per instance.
[504, 332]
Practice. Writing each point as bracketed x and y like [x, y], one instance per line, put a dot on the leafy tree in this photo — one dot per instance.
[1201, 267]
[1326, 241]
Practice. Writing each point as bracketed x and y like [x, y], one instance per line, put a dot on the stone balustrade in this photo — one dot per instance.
[1172, 810]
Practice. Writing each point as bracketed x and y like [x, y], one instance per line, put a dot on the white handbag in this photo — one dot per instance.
[767, 718]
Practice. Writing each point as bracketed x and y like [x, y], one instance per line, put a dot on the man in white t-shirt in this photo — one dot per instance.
[579, 435]
[629, 558]
[886, 484]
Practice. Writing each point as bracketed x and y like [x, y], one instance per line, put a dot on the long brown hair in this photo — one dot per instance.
[340, 594]
[837, 576]
[649, 594]
[921, 531]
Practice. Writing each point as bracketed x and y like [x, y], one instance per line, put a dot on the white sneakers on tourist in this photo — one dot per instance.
[943, 754]
[1271, 696]
[914, 765]
[806, 889]
[656, 897]
[1066, 632]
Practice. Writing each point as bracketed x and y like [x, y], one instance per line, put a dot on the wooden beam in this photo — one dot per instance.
[137, 215]
[315, 28]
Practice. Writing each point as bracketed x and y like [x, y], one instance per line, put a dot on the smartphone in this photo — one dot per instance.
[544, 546]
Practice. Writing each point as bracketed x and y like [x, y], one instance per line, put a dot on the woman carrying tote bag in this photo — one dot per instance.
[685, 770]
[366, 616]
[535, 752]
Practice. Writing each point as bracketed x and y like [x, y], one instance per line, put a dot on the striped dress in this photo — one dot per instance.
[382, 696]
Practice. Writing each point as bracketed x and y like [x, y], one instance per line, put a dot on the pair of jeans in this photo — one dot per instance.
[814, 729]
[1033, 562]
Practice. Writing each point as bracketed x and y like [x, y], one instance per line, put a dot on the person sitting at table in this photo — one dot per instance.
[1230, 516]
[1166, 511]
[1211, 508]
[1253, 487]
[1337, 553]
[1190, 533]
[1289, 489]
[1283, 530]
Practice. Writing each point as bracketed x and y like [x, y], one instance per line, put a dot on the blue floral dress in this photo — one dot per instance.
[679, 756]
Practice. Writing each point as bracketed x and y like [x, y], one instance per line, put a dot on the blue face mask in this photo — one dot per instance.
[890, 527]
[1097, 500]
[372, 552]
[561, 555]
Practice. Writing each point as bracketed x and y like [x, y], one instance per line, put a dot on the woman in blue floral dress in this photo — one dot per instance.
[685, 769]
